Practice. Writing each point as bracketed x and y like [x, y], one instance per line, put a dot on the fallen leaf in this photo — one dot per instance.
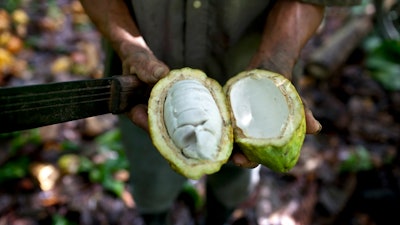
[14, 45]
[6, 61]
[61, 65]
[5, 22]
[20, 17]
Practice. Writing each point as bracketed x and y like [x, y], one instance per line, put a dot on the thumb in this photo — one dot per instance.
[313, 126]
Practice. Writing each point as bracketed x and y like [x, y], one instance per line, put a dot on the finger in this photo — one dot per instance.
[146, 66]
[149, 69]
[126, 70]
[152, 72]
[138, 115]
[242, 161]
[312, 125]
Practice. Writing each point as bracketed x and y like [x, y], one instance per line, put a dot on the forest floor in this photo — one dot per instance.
[76, 172]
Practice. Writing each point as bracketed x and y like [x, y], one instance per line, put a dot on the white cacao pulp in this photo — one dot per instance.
[193, 120]
[260, 108]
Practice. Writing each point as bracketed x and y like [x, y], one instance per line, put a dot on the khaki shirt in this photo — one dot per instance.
[217, 36]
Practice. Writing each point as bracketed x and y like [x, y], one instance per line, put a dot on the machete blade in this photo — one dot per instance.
[34, 106]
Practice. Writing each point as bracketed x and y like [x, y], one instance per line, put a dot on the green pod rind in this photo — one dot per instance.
[279, 158]
[281, 153]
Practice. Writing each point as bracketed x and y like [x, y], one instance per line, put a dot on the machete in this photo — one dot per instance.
[39, 105]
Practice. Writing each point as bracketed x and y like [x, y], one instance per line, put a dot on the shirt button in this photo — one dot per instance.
[197, 4]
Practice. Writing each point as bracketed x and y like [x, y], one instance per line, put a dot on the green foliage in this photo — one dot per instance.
[111, 148]
[69, 146]
[108, 146]
[111, 141]
[17, 167]
[24, 138]
[191, 190]
[383, 61]
[58, 219]
[21, 138]
[10, 5]
[103, 173]
[358, 160]
[14, 169]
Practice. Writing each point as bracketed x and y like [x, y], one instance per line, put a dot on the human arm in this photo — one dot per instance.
[288, 28]
[114, 22]
[289, 25]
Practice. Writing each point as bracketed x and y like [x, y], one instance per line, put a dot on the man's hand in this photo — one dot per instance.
[113, 20]
[149, 70]
[141, 62]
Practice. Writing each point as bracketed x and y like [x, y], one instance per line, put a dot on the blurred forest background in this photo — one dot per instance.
[76, 172]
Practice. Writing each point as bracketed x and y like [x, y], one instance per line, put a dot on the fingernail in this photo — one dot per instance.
[159, 72]
[319, 127]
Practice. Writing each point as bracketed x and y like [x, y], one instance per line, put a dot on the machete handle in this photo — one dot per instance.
[126, 92]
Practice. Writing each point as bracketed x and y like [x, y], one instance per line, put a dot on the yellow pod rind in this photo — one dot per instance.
[188, 167]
